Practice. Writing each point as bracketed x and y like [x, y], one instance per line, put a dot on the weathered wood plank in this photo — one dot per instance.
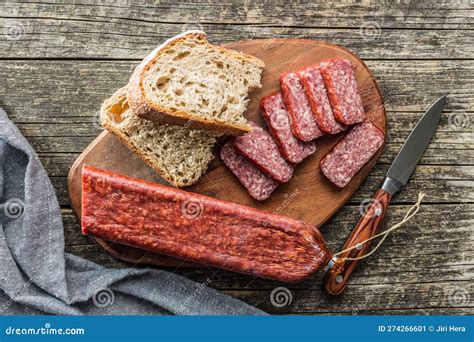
[129, 39]
[390, 14]
[79, 87]
[386, 299]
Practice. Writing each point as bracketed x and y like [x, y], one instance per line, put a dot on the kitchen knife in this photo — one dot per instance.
[396, 177]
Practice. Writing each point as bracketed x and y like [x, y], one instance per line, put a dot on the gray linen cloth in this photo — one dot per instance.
[38, 277]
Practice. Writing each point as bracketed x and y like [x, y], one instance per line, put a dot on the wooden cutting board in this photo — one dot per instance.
[308, 196]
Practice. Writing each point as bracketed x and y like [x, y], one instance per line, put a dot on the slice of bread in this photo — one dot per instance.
[188, 82]
[180, 155]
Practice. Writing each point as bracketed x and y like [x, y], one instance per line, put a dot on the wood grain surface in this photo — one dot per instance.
[60, 60]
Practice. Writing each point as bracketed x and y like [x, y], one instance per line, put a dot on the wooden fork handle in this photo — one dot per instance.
[368, 226]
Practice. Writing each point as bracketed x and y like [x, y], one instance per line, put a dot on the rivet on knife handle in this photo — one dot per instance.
[368, 225]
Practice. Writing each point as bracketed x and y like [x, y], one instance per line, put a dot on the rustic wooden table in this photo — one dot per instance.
[59, 61]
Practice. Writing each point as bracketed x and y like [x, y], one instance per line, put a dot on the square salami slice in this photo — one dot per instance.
[351, 153]
[278, 122]
[259, 146]
[313, 83]
[303, 123]
[342, 91]
[257, 183]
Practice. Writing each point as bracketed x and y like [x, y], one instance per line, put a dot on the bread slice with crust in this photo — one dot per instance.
[180, 155]
[186, 81]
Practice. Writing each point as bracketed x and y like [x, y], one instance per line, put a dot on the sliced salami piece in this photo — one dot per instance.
[351, 153]
[259, 146]
[303, 123]
[257, 183]
[278, 122]
[343, 94]
[313, 83]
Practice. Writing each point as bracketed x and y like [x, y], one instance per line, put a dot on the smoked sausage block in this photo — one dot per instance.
[198, 228]
[313, 83]
[278, 121]
[351, 153]
[342, 90]
[257, 183]
[303, 123]
[259, 146]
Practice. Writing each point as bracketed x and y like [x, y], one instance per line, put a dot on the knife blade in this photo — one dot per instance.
[412, 150]
[397, 176]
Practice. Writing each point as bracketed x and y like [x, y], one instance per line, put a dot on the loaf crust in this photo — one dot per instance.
[144, 108]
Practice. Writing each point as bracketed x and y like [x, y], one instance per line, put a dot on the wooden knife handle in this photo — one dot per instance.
[368, 226]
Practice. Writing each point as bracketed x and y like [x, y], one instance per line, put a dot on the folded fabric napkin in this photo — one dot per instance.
[38, 277]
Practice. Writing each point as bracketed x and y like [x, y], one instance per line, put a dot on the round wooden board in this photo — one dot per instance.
[308, 196]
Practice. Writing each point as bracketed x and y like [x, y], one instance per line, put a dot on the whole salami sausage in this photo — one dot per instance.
[351, 153]
[342, 91]
[257, 183]
[278, 122]
[318, 99]
[259, 146]
[303, 123]
[198, 228]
